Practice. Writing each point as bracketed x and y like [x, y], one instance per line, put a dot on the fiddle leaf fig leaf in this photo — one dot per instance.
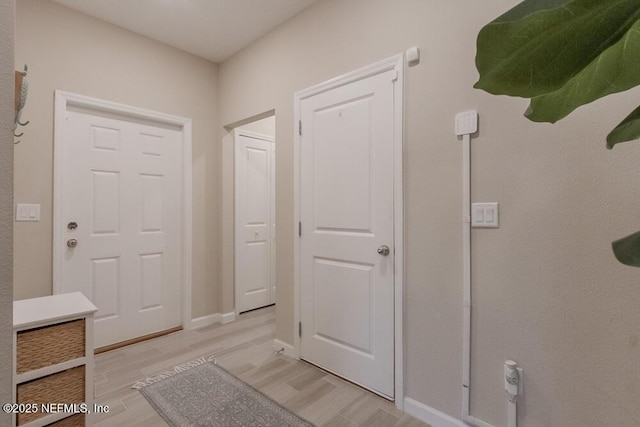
[627, 250]
[627, 130]
[615, 70]
[538, 46]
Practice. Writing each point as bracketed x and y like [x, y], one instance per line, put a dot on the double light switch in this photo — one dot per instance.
[484, 215]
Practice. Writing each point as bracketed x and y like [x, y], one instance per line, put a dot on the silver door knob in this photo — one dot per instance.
[383, 250]
[72, 243]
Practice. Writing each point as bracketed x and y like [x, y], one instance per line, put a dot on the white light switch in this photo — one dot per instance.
[484, 215]
[27, 212]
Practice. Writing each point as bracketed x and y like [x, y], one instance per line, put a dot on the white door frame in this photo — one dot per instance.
[393, 63]
[64, 101]
[237, 133]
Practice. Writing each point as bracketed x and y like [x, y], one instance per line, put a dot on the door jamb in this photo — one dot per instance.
[63, 101]
[236, 133]
[396, 63]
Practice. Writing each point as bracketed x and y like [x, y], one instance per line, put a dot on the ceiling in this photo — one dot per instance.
[211, 29]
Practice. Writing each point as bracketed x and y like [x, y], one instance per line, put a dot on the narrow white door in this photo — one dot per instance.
[347, 220]
[254, 218]
[121, 203]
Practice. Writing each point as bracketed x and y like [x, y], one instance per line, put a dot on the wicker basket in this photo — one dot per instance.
[64, 387]
[49, 345]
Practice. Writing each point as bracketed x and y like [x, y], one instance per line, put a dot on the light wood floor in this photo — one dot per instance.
[245, 348]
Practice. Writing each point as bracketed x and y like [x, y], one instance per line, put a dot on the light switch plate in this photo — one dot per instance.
[484, 215]
[28, 213]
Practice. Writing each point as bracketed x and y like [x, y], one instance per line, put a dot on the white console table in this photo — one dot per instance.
[53, 360]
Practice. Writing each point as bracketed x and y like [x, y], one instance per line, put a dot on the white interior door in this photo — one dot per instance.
[347, 220]
[122, 186]
[255, 223]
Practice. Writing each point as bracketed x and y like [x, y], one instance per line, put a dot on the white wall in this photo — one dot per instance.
[7, 16]
[74, 52]
[547, 290]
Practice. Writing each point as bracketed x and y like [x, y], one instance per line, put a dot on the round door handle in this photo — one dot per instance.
[384, 250]
[72, 243]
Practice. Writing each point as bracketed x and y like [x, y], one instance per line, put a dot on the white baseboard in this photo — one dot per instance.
[200, 322]
[430, 415]
[211, 319]
[289, 350]
[228, 317]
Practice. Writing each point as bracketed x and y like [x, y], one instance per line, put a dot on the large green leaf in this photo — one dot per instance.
[539, 45]
[617, 69]
[627, 250]
[627, 130]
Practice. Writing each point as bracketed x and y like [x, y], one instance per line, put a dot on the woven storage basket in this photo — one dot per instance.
[50, 345]
[64, 387]
[72, 421]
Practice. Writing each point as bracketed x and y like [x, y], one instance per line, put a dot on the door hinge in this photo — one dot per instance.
[299, 228]
[299, 127]
[299, 329]
[394, 76]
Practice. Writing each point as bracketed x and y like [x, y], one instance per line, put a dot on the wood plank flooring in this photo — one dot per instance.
[245, 348]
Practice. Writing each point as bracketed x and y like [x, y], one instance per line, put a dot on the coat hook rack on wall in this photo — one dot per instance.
[22, 88]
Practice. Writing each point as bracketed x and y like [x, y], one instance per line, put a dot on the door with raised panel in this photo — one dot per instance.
[122, 188]
[255, 221]
[347, 231]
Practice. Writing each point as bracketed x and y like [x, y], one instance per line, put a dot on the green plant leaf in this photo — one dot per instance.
[627, 130]
[617, 69]
[627, 250]
[539, 45]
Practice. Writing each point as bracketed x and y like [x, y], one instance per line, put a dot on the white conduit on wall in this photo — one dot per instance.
[466, 265]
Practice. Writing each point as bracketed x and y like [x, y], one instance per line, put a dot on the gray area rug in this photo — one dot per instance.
[201, 393]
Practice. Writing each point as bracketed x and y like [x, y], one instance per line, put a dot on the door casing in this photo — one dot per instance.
[393, 63]
[66, 100]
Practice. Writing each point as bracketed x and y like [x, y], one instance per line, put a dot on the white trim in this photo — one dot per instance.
[436, 418]
[287, 349]
[398, 227]
[201, 322]
[429, 415]
[211, 319]
[228, 317]
[63, 102]
[393, 63]
[237, 133]
[251, 134]
[469, 420]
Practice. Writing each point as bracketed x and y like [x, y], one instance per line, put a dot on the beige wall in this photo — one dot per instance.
[547, 291]
[7, 16]
[71, 51]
